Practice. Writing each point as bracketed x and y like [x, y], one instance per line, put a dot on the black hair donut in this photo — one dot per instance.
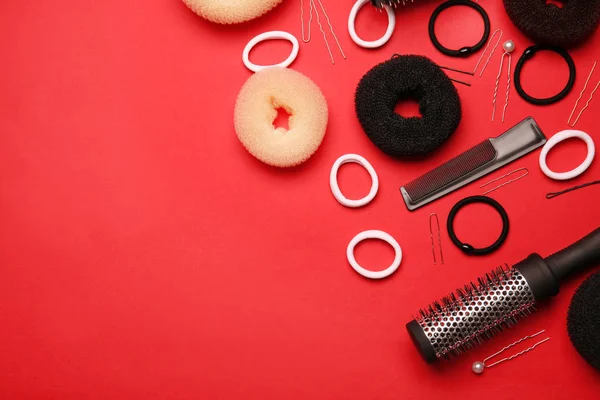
[467, 50]
[528, 55]
[400, 78]
[567, 26]
[467, 248]
[583, 320]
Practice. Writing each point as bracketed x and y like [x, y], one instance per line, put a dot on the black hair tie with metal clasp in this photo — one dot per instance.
[467, 50]
[528, 55]
[467, 248]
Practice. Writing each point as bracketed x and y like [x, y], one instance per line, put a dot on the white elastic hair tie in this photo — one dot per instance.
[269, 36]
[374, 234]
[560, 137]
[335, 189]
[376, 43]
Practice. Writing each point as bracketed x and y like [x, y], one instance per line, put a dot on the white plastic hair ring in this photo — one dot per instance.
[269, 36]
[335, 188]
[376, 43]
[560, 137]
[374, 234]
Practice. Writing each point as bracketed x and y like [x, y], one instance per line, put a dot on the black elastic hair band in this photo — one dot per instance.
[467, 248]
[528, 55]
[467, 50]
[406, 77]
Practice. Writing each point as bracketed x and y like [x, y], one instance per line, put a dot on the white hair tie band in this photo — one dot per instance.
[374, 234]
[560, 137]
[269, 36]
[335, 189]
[376, 43]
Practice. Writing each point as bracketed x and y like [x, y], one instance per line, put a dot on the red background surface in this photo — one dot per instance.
[145, 254]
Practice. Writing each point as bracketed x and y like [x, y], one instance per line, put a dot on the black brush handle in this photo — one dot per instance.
[577, 257]
[545, 274]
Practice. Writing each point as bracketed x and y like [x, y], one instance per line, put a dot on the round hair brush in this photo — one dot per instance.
[479, 311]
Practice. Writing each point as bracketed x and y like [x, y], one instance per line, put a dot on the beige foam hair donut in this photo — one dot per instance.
[256, 109]
[231, 12]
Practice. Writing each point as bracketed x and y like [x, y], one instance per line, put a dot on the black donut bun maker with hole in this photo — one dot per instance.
[400, 78]
[583, 320]
[568, 25]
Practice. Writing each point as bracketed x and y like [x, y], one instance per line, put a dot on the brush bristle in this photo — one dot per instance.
[391, 3]
[476, 312]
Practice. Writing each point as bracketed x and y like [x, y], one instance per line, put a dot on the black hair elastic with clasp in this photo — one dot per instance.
[528, 55]
[467, 248]
[463, 51]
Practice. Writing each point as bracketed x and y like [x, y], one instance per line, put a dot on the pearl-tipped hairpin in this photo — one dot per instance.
[509, 47]
[480, 366]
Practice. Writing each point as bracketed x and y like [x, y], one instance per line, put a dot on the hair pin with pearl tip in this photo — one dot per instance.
[480, 366]
[509, 47]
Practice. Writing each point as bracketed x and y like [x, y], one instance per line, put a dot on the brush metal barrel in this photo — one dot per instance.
[475, 313]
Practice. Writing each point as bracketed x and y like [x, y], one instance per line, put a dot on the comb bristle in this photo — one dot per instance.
[449, 172]
[475, 313]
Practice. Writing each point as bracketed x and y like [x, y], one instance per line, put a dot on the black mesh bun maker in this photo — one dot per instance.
[401, 78]
[567, 27]
[583, 320]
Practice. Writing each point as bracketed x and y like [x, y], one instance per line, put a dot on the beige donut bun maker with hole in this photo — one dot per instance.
[231, 12]
[256, 108]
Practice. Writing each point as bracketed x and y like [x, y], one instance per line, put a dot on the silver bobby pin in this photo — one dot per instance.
[479, 366]
[491, 53]
[587, 104]
[312, 4]
[331, 29]
[507, 182]
[437, 221]
[305, 39]
[509, 47]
